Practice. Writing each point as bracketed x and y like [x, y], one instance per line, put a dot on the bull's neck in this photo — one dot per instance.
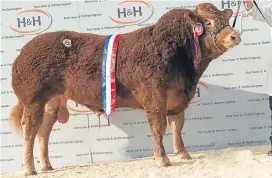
[207, 55]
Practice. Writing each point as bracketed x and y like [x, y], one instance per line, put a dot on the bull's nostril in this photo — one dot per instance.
[233, 37]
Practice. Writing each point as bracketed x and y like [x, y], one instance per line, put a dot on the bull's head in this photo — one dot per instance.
[218, 36]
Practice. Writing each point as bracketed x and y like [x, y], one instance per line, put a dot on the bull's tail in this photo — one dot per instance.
[16, 115]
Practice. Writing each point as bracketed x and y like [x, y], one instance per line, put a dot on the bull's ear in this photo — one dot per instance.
[191, 17]
[228, 13]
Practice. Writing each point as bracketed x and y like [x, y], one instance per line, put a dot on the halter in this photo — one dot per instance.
[221, 27]
[213, 35]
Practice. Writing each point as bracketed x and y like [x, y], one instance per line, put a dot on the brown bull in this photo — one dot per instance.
[157, 70]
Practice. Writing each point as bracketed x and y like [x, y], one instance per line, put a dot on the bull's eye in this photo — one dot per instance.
[208, 24]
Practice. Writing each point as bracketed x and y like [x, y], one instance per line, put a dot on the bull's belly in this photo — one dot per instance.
[173, 106]
[96, 104]
[83, 90]
[89, 94]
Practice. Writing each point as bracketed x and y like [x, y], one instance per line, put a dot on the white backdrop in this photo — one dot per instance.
[229, 108]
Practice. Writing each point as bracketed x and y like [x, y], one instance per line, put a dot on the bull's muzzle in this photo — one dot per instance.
[235, 37]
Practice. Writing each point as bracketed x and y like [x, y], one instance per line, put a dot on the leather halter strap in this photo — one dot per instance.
[213, 35]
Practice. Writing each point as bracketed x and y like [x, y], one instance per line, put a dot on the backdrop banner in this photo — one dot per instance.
[229, 108]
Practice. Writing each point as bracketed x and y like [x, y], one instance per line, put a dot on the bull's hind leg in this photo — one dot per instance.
[177, 123]
[54, 109]
[50, 118]
[31, 121]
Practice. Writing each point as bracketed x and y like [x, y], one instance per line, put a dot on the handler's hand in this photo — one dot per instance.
[248, 4]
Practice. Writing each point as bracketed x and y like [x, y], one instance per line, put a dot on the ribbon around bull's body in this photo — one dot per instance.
[108, 74]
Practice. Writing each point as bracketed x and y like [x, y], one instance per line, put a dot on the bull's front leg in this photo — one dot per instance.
[158, 124]
[176, 122]
[154, 103]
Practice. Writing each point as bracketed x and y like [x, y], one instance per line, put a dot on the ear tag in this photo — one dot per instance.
[198, 29]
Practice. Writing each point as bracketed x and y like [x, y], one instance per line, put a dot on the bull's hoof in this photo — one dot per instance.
[31, 173]
[162, 162]
[184, 155]
[47, 168]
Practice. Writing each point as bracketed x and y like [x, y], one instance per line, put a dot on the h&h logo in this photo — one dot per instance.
[132, 12]
[31, 22]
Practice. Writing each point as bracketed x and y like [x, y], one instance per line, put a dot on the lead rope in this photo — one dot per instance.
[236, 16]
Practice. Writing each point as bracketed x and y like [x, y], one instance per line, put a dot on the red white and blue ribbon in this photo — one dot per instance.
[197, 30]
[108, 74]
